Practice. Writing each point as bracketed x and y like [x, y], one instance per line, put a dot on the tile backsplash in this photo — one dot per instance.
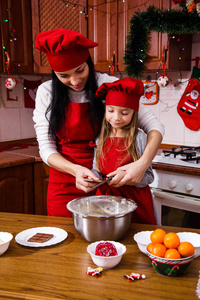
[166, 108]
[16, 120]
[166, 111]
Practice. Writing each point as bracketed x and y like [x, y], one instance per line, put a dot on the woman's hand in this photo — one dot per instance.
[81, 175]
[130, 174]
[57, 161]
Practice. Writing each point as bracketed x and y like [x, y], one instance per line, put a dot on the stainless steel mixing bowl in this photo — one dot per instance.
[102, 217]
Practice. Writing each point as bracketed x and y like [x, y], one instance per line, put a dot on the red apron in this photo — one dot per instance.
[114, 158]
[73, 144]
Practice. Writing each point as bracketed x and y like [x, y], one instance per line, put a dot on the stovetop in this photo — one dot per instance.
[186, 156]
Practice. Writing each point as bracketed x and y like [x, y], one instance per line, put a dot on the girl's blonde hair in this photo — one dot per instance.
[130, 132]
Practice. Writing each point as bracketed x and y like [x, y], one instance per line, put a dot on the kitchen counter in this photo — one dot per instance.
[59, 271]
[176, 169]
[29, 154]
[19, 154]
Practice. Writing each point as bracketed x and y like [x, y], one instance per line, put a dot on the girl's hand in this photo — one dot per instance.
[132, 174]
[81, 174]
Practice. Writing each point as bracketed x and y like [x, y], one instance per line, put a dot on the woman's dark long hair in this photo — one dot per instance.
[60, 101]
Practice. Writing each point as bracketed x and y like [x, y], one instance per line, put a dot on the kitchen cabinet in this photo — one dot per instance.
[23, 179]
[16, 189]
[109, 25]
[16, 36]
[49, 15]
[179, 59]
[176, 58]
[27, 18]
[41, 179]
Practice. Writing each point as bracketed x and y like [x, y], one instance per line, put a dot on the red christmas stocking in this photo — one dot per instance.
[189, 104]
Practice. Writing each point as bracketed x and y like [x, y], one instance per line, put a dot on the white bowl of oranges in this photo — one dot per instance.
[169, 256]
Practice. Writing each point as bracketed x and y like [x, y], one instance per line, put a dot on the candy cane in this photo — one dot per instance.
[172, 269]
[154, 263]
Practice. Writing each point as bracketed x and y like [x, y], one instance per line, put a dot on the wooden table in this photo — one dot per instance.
[59, 271]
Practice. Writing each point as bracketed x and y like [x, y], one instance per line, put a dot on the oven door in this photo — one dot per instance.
[174, 209]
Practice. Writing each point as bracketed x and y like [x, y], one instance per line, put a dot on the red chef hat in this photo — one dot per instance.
[65, 49]
[125, 92]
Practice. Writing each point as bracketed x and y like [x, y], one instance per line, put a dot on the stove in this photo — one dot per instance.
[177, 195]
[184, 156]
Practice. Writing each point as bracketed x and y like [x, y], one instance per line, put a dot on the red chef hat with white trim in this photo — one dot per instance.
[125, 92]
[65, 49]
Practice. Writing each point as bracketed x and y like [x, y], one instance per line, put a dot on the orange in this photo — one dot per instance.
[150, 247]
[186, 249]
[172, 254]
[159, 250]
[157, 236]
[171, 240]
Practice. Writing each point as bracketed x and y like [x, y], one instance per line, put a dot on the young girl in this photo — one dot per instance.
[121, 142]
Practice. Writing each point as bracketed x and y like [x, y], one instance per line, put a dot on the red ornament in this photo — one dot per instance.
[10, 83]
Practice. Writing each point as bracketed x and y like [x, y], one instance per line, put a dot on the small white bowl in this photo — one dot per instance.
[106, 262]
[193, 238]
[142, 239]
[5, 237]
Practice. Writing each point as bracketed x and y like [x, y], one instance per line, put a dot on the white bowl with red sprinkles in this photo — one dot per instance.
[106, 254]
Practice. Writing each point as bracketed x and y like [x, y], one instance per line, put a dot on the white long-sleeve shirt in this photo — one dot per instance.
[147, 121]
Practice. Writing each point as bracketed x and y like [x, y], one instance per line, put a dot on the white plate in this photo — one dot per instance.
[59, 236]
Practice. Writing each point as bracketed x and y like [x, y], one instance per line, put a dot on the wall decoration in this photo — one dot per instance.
[189, 105]
[164, 21]
[11, 97]
[10, 83]
[163, 80]
[191, 5]
[150, 93]
[30, 89]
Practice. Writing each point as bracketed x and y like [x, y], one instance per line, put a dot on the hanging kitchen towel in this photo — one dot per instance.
[150, 95]
[189, 105]
[30, 88]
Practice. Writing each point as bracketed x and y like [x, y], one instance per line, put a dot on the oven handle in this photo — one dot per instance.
[176, 197]
[176, 200]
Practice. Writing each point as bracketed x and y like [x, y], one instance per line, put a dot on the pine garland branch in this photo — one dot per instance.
[164, 21]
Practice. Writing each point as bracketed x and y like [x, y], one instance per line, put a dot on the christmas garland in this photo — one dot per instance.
[164, 21]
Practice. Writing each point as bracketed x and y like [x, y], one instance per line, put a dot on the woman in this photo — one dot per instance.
[121, 142]
[67, 117]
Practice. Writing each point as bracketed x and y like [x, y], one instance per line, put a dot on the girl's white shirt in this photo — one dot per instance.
[147, 121]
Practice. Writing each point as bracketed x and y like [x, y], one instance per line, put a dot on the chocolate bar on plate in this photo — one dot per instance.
[40, 238]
